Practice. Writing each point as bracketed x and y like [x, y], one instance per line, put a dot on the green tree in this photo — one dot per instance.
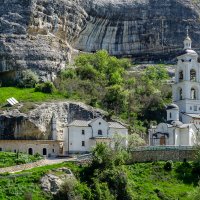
[116, 98]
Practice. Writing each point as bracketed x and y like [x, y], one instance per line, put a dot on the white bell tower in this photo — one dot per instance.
[186, 90]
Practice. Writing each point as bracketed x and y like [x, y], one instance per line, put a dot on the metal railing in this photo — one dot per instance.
[159, 148]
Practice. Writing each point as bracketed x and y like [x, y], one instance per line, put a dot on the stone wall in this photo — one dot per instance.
[53, 148]
[162, 155]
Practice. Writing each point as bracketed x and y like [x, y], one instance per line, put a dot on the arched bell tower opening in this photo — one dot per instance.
[180, 75]
[193, 75]
[193, 93]
[180, 92]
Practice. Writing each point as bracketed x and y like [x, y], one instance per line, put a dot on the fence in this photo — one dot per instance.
[163, 153]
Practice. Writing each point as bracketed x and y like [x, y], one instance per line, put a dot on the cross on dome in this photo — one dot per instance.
[187, 41]
[187, 28]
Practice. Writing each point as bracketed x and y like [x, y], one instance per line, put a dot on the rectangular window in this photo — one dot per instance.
[195, 108]
[190, 107]
[83, 143]
[53, 150]
[83, 132]
[100, 132]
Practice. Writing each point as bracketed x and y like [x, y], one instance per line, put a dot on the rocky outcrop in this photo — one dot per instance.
[52, 182]
[42, 35]
[38, 122]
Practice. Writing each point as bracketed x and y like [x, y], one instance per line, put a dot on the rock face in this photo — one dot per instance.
[38, 123]
[36, 34]
[42, 35]
[52, 183]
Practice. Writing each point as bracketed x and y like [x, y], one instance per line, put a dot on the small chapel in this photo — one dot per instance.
[183, 115]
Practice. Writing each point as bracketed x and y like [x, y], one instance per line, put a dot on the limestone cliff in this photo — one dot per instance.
[37, 123]
[43, 34]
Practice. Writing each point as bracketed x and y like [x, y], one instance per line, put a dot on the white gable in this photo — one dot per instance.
[99, 127]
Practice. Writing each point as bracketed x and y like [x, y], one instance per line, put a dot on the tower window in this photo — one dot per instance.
[193, 94]
[83, 132]
[192, 75]
[190, 107]
[180, 94]
[83, 143]
[170, 115]
[180, 75]
[195, 108]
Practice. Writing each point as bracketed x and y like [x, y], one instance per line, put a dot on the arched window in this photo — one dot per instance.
[100, 132]
[180, 94]
[192, 75]
[180, 75]
[30, 151]
[44, 152]
[193, 94]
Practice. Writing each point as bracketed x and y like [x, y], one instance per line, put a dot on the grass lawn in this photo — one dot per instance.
[26, 95]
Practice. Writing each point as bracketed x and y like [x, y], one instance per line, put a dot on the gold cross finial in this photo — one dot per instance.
[187, 28]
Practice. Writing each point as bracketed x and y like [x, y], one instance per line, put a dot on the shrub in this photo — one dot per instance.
[168, 165]
[73, 189]
[27, 79]
[69, 73]
[47, 87]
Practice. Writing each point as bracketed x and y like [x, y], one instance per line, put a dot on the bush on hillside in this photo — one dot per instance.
[168, 165]
[27, 79]
[47, 87]
[69, 73]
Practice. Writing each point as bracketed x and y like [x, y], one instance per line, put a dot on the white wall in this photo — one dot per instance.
[184, 137]
[119, 131]
[73, 136]
[99, 124]
[76, 137]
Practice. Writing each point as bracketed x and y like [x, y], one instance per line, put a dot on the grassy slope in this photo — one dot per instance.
[25, 184]
[26, 95]
[153, 182]
[147, 182]
[9, 159]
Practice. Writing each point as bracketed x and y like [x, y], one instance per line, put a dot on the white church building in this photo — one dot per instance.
[81, 136]
[183, 116]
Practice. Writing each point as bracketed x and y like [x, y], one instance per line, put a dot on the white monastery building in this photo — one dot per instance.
[77, 137]
[183, 116]
[81, 136]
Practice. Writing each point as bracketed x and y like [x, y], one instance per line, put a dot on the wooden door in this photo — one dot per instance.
[162, 140]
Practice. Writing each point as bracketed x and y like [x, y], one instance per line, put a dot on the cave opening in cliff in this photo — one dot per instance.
[7, 78]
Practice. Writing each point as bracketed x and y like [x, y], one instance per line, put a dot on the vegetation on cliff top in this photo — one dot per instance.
[103, 81]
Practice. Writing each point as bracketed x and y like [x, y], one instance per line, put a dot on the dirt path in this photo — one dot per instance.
[40, 163]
